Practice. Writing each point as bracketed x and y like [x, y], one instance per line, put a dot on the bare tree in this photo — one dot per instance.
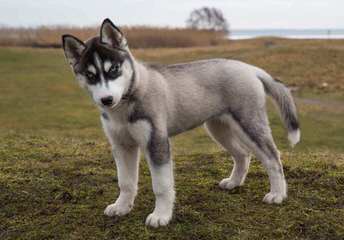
[208, 18]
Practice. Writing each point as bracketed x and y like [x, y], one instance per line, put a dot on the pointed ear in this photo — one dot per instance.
[112, 35]
[73, 48]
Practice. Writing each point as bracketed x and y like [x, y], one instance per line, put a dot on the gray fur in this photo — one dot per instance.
[283, 98]
[161, 101]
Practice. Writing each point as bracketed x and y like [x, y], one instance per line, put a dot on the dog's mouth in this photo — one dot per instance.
[117, 105]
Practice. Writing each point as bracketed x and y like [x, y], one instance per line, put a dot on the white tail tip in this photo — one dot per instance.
[294, 137]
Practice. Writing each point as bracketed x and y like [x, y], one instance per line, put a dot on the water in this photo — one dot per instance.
[288, 33]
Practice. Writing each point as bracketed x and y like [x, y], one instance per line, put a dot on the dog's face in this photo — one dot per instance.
[102, 65]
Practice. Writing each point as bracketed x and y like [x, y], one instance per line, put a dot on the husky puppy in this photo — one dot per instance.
[143, 105]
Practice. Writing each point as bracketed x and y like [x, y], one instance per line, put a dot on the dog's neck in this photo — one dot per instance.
[137, 90]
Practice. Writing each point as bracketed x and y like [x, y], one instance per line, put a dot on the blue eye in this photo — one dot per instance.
[114, 69]
[90, 75]
[92, 78]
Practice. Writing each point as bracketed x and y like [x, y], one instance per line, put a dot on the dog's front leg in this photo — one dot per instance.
[161, 168]
[127, 163]
[157, 151]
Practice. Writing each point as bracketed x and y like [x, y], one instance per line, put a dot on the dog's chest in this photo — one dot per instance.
[117, 125]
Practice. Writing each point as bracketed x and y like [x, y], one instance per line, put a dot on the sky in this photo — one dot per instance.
[241, 14]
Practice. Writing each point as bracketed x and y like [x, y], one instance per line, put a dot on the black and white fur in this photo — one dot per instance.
[143, 105]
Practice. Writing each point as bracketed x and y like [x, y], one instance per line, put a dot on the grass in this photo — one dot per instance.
[57, 174]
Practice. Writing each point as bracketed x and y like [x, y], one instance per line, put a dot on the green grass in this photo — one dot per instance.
[57, 174]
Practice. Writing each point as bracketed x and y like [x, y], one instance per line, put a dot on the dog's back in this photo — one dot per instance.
[197, 91]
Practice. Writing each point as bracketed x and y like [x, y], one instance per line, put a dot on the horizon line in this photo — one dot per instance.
[168, 26]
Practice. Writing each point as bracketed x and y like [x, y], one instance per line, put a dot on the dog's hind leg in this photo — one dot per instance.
[254, 130]
[221, 132]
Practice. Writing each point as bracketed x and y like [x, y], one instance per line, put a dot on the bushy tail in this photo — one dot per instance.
[281, 94]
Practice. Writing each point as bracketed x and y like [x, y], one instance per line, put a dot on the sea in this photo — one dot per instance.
[288, 33]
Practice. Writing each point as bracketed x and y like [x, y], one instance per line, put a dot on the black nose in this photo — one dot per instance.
[107, 101]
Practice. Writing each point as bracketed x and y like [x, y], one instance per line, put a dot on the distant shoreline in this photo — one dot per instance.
[237, 34]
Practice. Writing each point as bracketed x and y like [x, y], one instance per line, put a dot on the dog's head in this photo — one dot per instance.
[103, 65]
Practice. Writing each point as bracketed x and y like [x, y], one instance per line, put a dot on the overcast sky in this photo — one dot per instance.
[240, 13]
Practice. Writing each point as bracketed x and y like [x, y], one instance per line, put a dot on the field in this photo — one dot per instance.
[138, 36]
[57, 174]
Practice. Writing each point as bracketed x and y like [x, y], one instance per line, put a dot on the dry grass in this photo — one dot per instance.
[139, 37]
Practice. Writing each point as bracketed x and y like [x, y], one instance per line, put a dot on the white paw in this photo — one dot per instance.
[156, 220]
[228, 184]
[116, 209]
[276, 198]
